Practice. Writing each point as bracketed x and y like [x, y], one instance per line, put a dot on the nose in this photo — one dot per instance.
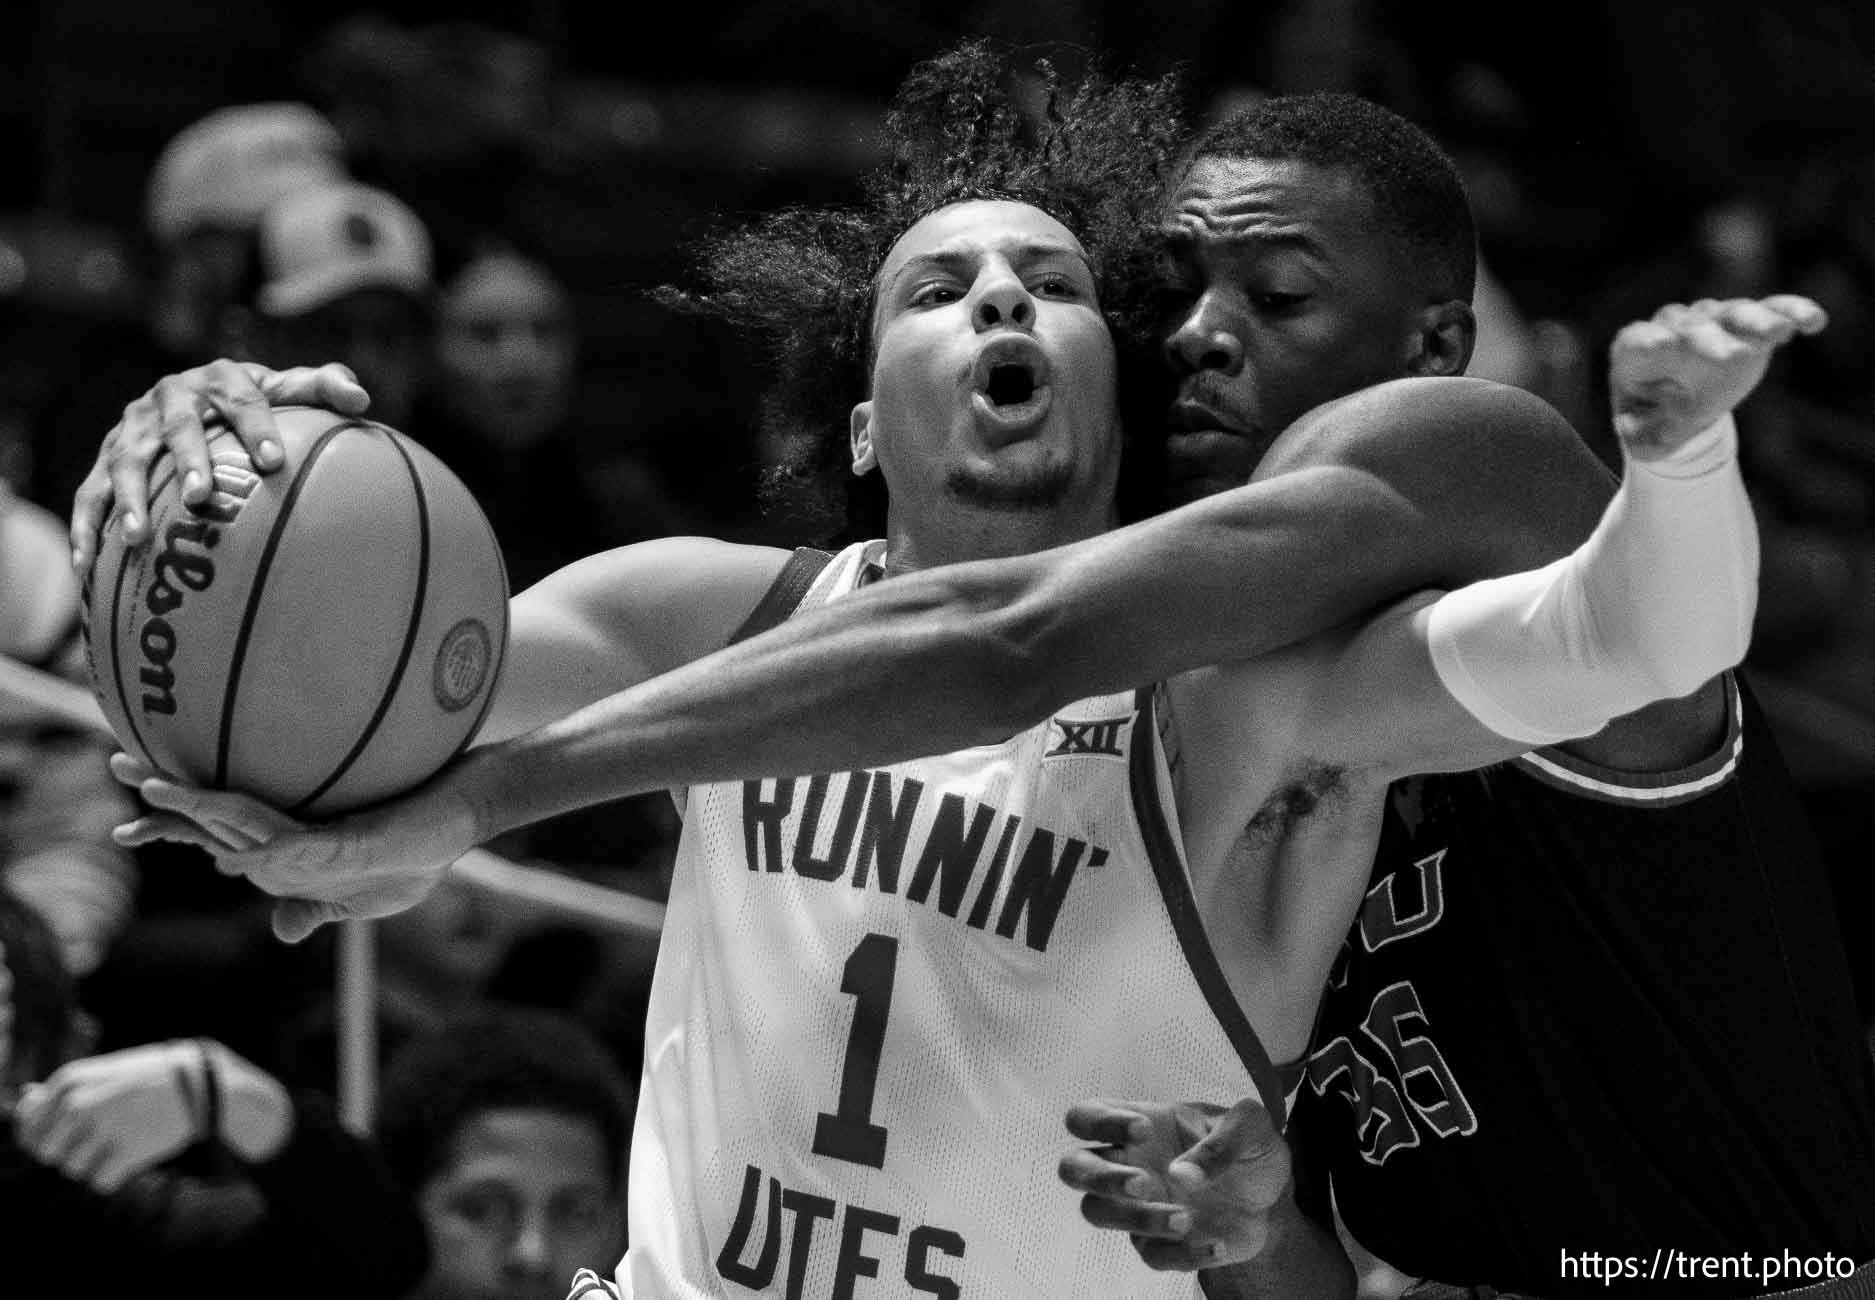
[522, 344]
[1002, 301]
[530, 1250]
[1205, 340]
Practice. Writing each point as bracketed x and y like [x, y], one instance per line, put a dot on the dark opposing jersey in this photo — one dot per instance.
[1584, 1010]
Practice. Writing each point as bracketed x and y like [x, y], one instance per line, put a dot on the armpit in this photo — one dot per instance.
[1300, 794]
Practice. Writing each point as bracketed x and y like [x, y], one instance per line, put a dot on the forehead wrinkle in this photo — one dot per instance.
[1274, 202]
[1182, 237]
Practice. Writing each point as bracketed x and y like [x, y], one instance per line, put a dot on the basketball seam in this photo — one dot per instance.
[257, 589]
[415, 625]
[117, 659]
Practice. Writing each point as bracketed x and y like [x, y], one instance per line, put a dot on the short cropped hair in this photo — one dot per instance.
[1415, 187]
[1095, 155]
[500, 1057]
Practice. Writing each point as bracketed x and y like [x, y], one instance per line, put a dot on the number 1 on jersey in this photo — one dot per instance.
[849, 1133]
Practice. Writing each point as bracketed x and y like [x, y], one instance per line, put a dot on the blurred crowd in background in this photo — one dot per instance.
[471, 204]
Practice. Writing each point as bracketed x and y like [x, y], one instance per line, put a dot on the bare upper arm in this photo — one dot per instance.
[1376, 703]
[617, 618]
[1410, 485]
[1490, 480]
[1481, 478]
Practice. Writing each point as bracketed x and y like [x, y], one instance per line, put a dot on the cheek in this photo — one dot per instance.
[910, 387]
[460, 360]
[459, 1249]
[598, 1243]
[1088, 370]
[1312, 366]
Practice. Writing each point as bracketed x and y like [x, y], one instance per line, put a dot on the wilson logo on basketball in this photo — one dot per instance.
[184, 565]
[462, 664]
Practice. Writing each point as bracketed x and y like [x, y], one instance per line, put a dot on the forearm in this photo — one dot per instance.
[936, 661]
[1657, 601]
[1301, 1260]
[921, 664]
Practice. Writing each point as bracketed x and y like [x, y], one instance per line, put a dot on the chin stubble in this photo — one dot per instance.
[1037, 489]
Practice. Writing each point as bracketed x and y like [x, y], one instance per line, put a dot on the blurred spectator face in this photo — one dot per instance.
[1281, 294]
[382, 335]
[524, 1201]
[446, 947]
[200, 274]
[344, 275]
[206, 194]
[505, 350]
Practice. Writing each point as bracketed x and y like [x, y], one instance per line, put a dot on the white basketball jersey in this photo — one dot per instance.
[877, 994]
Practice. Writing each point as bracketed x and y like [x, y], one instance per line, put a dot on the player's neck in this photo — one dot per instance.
[961, 533]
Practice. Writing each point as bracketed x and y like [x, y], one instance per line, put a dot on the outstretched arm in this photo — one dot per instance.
[923, 663]
[968, 654]
[1657, 601]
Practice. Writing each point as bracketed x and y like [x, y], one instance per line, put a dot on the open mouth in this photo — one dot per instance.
[1010, 382]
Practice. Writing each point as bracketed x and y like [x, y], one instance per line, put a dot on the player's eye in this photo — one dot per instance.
[936, 295]
[1277, 302]
[1057, 286]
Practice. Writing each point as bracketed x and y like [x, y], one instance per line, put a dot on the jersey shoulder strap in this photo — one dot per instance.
[785, 593]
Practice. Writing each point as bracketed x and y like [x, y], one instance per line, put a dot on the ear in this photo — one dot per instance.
[865, 458]
[1443, 336]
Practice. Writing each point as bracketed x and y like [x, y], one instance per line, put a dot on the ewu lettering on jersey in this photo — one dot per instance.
[1584, 1010]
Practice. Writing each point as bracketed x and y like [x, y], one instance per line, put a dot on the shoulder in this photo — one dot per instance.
[1494, 462]
[32, 533]
[676, 562]
[38, 594]
[1448, 421]
[676, 598]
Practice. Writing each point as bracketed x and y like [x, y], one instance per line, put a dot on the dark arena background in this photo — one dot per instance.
[1619, 155]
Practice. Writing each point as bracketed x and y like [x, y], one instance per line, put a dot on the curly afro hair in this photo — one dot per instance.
[972, 123]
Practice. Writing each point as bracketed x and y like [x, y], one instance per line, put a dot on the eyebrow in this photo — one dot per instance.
[955, 259]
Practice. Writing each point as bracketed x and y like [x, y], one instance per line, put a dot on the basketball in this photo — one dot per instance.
[320, 637]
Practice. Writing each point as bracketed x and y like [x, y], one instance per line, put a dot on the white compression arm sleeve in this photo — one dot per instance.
[1657, 601]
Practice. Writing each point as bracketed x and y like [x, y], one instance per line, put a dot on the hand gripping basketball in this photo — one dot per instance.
[321, 637]
[174, 417]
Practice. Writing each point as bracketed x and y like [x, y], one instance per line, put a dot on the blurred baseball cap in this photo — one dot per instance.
[319, 243]
[224, 169]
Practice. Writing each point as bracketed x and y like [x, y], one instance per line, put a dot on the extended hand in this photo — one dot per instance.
[1192, 1183]
[370, 864]
[172, 414]
[103, 1119]
[1674, 375]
